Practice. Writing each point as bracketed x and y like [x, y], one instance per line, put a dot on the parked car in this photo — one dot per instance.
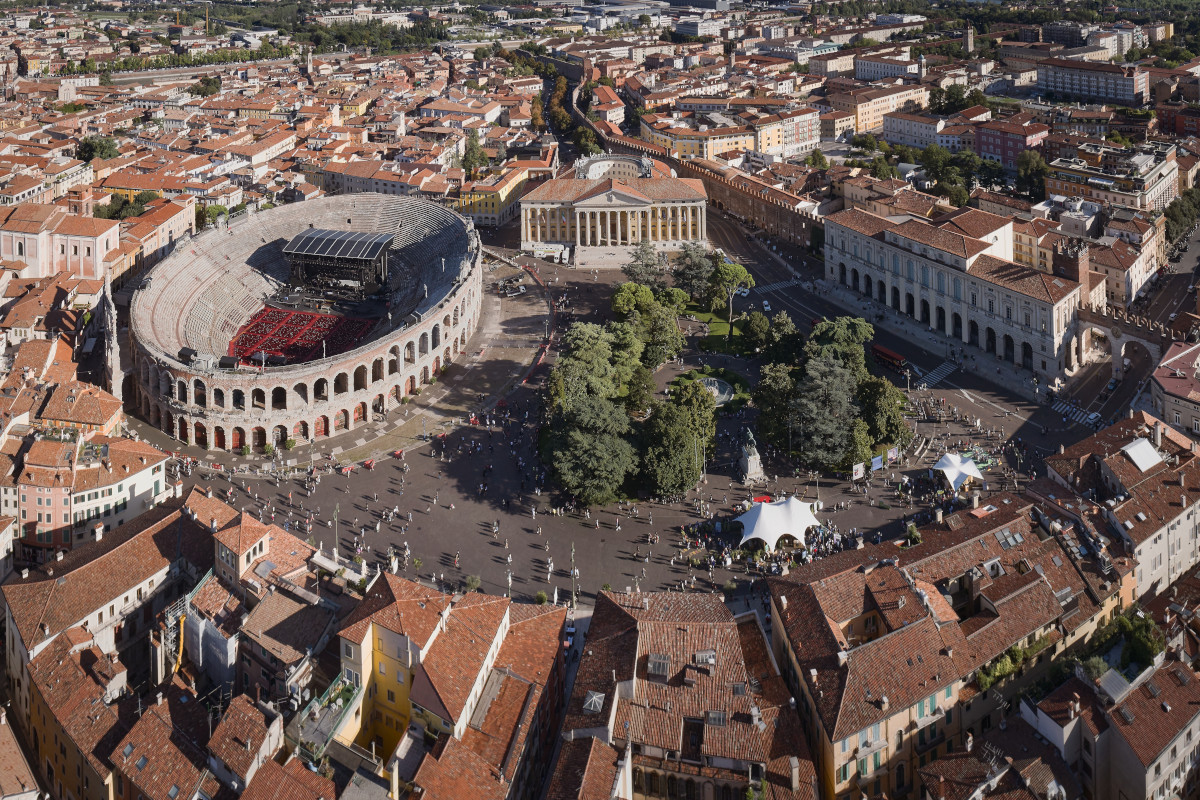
[1111, 385]
[767, 306]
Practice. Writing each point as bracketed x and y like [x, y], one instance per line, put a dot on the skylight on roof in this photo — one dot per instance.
[658, 665]
[593, 702]
[127, 751]
[1142, 454]
[716, 718]
[141, 763]
[173, 792]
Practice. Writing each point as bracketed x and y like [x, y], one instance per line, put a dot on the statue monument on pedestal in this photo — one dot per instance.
[751, 462]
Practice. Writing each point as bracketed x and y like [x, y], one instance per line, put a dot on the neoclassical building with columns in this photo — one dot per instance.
[615, 202]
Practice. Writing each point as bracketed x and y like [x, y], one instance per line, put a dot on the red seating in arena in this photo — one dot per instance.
[297, 335]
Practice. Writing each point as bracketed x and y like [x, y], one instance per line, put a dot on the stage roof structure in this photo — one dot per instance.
[322, 243]
[958, 470]
[770, 521]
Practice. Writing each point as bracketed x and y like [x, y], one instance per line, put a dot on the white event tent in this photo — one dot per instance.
[958, 470]
[770, 521]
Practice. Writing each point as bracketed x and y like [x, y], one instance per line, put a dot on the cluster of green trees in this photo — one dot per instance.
[955, 99]
[120, 208]
[225, 56]
[382, 39]
[97, 147]
[953, 170]
[607, 434]
[1182, 213]
[819, 402]
[584, 138]
[206, 86]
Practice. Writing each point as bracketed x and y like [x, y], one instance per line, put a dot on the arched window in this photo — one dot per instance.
[895, 264]
[957, 289]
[20, 248]
[912, 273]
[925, 275]
[941, 283]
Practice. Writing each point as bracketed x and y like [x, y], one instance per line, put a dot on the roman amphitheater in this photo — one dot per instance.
[225, 357]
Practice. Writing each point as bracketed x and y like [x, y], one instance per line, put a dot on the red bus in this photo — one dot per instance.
[887, 358]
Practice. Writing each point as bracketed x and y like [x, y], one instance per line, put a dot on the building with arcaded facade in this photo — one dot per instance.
[195, 303]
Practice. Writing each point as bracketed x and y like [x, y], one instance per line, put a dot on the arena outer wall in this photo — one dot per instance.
[220, 409]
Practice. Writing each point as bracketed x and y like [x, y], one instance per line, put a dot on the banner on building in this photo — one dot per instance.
[859, 471]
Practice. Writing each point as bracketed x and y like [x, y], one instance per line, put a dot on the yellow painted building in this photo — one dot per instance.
[698, 143]
[494, 200]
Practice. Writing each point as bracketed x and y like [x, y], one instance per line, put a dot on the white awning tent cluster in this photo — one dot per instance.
[958, 470]
[769, 522]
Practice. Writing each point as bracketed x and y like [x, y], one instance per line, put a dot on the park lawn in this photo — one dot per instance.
[718, 329]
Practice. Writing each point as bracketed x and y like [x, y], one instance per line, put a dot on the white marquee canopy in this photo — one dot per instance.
[770, 521]
[958, 470]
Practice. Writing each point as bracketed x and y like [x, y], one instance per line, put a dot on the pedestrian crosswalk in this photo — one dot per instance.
[775, 287]
[939, 374]
[1071, 412]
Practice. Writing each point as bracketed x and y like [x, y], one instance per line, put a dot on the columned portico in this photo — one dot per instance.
[615, 213]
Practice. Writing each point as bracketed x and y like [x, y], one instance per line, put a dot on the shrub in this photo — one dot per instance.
[1095, 667]
[473, 582]
[607, 587]
[245, 450]
[289, 444]
[268, 449]
[541, 598]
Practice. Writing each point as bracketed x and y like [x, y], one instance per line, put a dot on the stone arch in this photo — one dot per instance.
[393, 360]
[868, 288]
[1010, 349]
[940, 319]
[446, 354]
[378, 404]
[181, 392]
[360, 412]
[397, 392]
[237, 439]
[410, 353]
[165, 385]
[377, 370]
[425, 374]
[973, 333]
[239, 399]
[258, 398]
[341, 383]
[1027, 356]
[423, 346]
[320, 389]
[896, 297]
[279, 398]
[842, 274]
[341, 420]
[279, 435]
[219, 438]
[989, 341]
[301, 392]
[437, 365]
[854, 284]
[456, 315]
[956, 325]
[321, 426]
[183, 431]
[199, 393]
[201, 439]
[910, 304]
[435, 337]
[410, 385]
[258, 437]
[218, 398]
[300, 431]
[155, 416]
[924, 311]
[360, 377]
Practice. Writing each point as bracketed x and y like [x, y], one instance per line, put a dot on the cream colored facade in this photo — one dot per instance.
[612, 225]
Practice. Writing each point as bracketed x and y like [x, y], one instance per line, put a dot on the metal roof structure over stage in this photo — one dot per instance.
[322, 243]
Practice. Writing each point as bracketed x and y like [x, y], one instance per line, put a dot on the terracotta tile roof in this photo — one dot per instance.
[1023, 279]
[80, 403]
[400, 606]
[73, 686]
[586, 770]
[240, 734]
[1057, 706]
[290, 782]
[164, 750]
[63, 593]
[1157, 711]
[456, 657]
[286, 626]
[972, 222]
[452, 769]
[242, 533]
[570, 190]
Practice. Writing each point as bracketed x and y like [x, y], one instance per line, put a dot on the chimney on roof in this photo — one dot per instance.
[24, 574]
[1061, 448]
[1158, 430]
[783, 602]
[937, 516]
[208, 492]
[975, 500]
[794, 763]
[160, 698]
[213, 525]
[883, 703]
[58, 556]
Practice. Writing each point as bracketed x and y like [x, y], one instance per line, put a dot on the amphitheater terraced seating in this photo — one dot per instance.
[203, 293]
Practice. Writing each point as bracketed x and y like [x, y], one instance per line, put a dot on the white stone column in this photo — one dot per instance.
[577, 242]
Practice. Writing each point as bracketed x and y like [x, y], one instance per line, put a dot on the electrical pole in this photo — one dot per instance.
[574, 587]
